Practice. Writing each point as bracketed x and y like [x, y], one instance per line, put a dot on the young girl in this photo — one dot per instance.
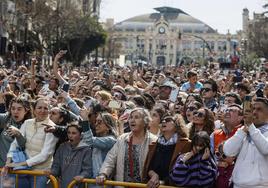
[73, 158]
[196, 168]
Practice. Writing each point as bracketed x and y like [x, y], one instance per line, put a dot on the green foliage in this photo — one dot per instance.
[64, 28]
[250, 62]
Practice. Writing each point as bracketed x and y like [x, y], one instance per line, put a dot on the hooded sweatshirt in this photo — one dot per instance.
[5, 121]
[70, 162]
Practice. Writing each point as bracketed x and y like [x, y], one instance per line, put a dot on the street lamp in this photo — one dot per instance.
[205, 43]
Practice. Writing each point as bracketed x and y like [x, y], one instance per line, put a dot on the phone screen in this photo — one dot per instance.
[66, 87]
[114, 104]
[173, 95]
[247, 103]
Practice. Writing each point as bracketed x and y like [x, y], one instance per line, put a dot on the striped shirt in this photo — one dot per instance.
[195, 172]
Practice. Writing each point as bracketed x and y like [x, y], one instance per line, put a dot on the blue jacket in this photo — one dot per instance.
[101, 146]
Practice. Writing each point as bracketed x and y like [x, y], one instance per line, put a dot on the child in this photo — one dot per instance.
[196, 168]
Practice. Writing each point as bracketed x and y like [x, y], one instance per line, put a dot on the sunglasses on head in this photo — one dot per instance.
[199, 114]
[191, 108]
[206, 89]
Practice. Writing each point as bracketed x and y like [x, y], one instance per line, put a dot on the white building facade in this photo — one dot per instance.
[168, 36]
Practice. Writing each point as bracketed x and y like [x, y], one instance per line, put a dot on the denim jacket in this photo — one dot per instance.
[101, 146]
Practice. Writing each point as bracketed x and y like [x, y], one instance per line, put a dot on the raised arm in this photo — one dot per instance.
[55, 66]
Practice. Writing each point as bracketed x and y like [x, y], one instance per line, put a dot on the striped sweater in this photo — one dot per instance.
[195, 172]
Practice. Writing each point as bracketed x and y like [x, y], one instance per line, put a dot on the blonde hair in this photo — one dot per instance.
[105, 96]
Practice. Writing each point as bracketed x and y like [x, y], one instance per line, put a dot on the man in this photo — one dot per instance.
[250, 145]
[209, 92]
[232, 119]
[154, 92]
[165, 90]
[242, 90]
[192, 86]
[232, 98]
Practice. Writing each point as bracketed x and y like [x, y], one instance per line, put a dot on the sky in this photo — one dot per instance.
[222, 15]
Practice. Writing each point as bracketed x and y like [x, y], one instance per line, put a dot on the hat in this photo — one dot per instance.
[121, 90]
[169, 84]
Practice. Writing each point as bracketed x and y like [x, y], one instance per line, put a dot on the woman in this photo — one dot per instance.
[189, 99]
[10, 123]
[163, 154]
[203, 120]
[191, 108]
[39, 146]
[156, 113]
[196, 168]
[61, 117]
[103, 141]
[127, 156]
[73, 159]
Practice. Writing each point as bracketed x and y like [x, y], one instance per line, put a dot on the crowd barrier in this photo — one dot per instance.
[54, 181]
[34, 173]
[114, 183]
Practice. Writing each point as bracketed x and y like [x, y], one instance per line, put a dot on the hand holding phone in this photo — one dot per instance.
[66, 87]
[247, 110]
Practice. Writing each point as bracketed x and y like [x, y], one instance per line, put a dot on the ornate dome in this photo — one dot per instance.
[175, 17]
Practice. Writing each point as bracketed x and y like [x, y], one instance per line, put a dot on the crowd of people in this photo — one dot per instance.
[188, 126]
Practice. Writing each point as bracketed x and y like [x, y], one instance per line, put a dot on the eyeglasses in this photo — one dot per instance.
[166, 120]
[220, 155]
[206, 89]
[191, 108]
[199, 114]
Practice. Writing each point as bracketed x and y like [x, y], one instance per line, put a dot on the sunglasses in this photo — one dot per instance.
[230, 110]
[206, 89]
[191, 108]
[166, 120]
[119, 95]
[199, 114]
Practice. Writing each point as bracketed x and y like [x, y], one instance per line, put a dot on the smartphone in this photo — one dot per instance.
[114, 104]
[66, 87]
[64, 51]
[157, 71]
[247, 106]
[222, 106]
[46, 125]
[88, 103]
[28, 76]
[106, 73]
[174, 94]
[140, 65]
[4, 85]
